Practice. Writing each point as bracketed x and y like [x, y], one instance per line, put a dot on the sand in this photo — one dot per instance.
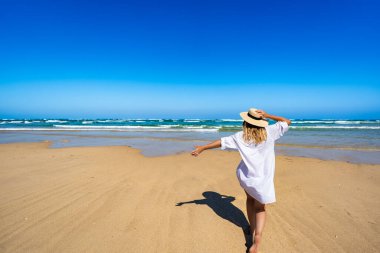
[113, 199]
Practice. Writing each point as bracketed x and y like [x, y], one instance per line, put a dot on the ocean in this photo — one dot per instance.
[356, 141]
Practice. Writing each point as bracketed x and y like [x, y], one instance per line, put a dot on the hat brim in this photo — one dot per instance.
[255, 122]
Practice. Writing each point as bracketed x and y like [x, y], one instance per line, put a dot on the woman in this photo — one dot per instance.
[255, 172]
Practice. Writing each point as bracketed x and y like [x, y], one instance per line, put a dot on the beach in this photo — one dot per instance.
[114, 199]
[105, 107]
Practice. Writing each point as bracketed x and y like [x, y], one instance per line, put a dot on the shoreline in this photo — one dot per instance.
[63, 144]
[351, 148]
[354, 146]
[49, 146]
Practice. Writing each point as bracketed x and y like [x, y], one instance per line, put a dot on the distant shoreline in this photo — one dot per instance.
[168, 143]
[192, 125]
[356, 141]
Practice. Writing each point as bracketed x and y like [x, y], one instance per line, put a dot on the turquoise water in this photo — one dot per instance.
[348, 140]
[202, 125]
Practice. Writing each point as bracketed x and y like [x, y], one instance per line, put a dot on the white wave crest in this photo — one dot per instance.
[191, 120]
[55, 121]
[346, 122]
[171, 128]
[313, 121]
[202, 127]
[335, 127]
[232, 120]
[104, 121]
[29, 129]
[340, 122]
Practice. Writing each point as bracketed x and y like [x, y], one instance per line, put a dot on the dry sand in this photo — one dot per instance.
[113, 199]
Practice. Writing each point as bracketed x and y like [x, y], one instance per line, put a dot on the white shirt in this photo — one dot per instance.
[255, 171]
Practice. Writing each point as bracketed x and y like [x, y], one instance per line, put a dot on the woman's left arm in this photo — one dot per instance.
[200, 149]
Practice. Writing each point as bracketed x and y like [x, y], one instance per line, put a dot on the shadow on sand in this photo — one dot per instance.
[222, 206]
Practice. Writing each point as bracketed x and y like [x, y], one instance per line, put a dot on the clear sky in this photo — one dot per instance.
[198, 59]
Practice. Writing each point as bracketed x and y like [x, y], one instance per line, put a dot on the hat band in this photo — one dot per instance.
[256, 118]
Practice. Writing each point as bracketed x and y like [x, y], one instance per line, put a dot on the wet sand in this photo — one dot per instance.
[113, 199]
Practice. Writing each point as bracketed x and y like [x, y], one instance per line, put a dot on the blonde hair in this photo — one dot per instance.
[254, 134]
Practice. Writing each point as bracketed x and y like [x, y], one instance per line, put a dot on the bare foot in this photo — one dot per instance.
[255, 246]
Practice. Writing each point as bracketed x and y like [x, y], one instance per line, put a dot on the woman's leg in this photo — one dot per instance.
[260, 222]
[256, 216]
[251, 213]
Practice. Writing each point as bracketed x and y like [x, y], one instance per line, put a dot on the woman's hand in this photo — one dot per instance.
[200, 149]
[265, 115]
[197, 150]
[262, 113]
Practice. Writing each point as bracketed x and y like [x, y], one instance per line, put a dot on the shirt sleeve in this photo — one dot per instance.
[277, 130]
[229, 142]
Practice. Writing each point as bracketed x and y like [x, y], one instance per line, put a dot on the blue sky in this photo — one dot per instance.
[199, 59]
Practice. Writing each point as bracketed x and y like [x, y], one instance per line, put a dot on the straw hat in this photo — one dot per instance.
[253, 118]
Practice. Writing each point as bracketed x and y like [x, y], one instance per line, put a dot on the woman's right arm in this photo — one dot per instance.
[273, 117]
[200, 149]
